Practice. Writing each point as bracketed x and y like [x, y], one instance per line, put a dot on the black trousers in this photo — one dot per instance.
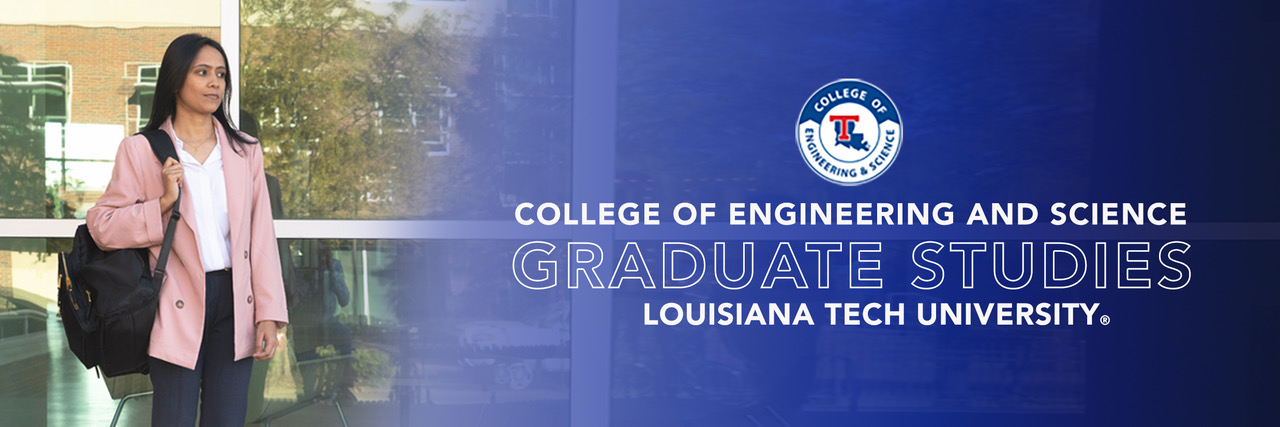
[218, 384]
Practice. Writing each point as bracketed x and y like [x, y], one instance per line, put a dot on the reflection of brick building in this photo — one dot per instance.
[104, 64]
[88, 87]
[533, 77]
[71, 76]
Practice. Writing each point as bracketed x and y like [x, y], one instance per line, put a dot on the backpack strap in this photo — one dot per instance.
[163, 148]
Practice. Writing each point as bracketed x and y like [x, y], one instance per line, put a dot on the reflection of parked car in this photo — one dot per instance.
[515, 351]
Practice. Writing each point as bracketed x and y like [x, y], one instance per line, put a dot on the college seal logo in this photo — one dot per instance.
[849, 132]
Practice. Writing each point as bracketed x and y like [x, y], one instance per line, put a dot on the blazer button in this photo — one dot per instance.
[179, 303]
[246, 254]
[250, 299]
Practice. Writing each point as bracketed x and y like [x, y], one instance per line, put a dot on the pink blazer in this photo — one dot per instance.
[128, 216]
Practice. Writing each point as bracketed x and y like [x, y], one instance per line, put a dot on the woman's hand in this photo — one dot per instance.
[172, 174]
[267, 340]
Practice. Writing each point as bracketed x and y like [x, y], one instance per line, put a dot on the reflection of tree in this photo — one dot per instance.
[345, 99]
[21, 152]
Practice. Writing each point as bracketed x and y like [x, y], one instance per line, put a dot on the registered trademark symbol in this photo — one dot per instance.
[1106, 320]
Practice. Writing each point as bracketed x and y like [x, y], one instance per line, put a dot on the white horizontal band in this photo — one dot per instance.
[328, 229]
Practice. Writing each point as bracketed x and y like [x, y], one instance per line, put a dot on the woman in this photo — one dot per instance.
[223, 300]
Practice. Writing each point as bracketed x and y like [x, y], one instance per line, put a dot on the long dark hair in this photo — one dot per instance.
[173, 74]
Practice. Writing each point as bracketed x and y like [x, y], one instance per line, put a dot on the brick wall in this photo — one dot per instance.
[104, 63]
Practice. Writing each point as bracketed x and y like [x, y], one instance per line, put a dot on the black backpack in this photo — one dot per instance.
[108, 299]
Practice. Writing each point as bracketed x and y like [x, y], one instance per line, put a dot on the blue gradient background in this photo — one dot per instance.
[1001, 101]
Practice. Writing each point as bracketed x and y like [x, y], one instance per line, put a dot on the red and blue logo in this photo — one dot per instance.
[849, 132]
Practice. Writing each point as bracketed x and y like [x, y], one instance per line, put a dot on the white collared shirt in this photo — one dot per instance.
[206, 190]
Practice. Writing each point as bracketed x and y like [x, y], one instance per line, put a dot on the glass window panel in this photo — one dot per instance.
[413, 116]
[144, 93]
[148, 73]
[67, 71]
[466, 140]
[417, 329]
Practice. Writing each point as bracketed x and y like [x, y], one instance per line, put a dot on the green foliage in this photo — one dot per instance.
[21, 153]
[372, 366]
[345, 98]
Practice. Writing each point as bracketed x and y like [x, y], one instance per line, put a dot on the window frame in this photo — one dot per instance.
[593, 137]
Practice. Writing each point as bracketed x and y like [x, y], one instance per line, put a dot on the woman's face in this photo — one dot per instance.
[206, 83]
